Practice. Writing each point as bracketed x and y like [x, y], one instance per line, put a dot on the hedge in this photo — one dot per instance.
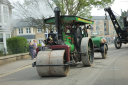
[17, 45]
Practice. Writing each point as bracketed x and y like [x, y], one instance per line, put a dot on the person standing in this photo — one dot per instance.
[35, 46]
[42, 44]
[31, 50]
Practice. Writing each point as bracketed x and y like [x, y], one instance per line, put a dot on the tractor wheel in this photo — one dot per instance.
[117, 43]
[51, 63]
[104, 51]
[87, 51]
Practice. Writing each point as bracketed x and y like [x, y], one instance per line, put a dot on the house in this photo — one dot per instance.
[102, 27]
[5, 25]
[25, 28]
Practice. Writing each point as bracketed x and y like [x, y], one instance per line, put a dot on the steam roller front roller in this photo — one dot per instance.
[51, 63]
[87, 51]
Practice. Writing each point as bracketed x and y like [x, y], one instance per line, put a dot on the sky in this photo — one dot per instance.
[116, 7]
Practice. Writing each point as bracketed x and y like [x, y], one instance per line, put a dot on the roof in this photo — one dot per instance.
[27, 36]
[28, 22]
[99, 17]
[69, 19]
[6, 2]
[19, 23]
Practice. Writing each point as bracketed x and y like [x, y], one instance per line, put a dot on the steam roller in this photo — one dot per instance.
[69, 45]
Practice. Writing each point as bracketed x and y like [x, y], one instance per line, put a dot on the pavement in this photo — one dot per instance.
[6, 68]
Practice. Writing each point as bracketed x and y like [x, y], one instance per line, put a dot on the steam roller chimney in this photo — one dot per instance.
[57, 21]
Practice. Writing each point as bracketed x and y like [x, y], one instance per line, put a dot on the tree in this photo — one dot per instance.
[123, 14]
[32, 9]
[80, 7]
[39, 9]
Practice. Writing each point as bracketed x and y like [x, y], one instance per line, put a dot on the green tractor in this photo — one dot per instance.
[100, 45]
[66, 47]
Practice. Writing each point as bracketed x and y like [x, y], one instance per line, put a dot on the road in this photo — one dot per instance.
[110, 71]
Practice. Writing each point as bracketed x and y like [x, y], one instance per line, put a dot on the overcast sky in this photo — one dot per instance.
[116, 7]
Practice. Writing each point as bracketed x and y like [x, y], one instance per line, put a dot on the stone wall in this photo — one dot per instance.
[13, 58]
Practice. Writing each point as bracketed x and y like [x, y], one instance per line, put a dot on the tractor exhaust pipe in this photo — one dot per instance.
[57, 21]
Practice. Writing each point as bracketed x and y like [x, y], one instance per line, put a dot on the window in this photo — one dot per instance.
[112, 31]
[39, 30]
[97, 27]
[1, 37]
[111, 25]
[40, 41]
[20, 30]
[5, 13]
[46, 33]
[101, 32]
[105, 33]
[97, 22]
[28, 40]
[100, 26]
[1, 46]
[105, 28]
[28, 30]
[97, 32]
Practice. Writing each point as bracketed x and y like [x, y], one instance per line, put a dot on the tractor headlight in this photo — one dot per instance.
[103, 40]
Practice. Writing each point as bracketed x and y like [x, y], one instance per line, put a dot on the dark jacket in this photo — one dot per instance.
[31, 48]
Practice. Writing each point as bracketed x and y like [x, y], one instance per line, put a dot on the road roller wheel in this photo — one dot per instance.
[51, 63]
[104, 52]
[117, 43]
[87, 51]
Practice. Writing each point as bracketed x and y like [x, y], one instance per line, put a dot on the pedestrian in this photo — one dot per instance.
[113, 39]
[31, 50]
[35, 47]
[42, 44]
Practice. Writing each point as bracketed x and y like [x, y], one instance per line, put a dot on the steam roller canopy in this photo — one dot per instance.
[51, 63]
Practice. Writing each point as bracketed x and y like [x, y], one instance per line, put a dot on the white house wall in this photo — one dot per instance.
[5, 26]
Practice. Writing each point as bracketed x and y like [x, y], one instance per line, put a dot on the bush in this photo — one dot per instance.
[1, 53]
[38, 45]
[17, 45]
[27, 47]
